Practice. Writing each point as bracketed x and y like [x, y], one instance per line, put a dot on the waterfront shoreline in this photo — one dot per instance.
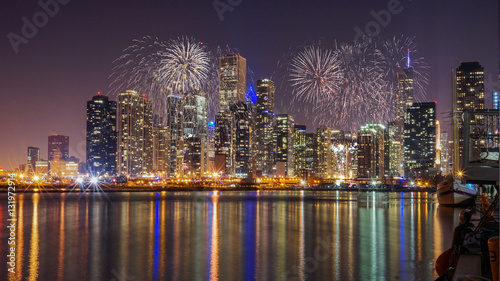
[180, 188]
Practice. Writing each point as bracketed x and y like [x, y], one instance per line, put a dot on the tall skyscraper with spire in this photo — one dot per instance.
[403, 100]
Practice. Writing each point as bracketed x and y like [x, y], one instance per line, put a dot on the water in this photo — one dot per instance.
[270, 235]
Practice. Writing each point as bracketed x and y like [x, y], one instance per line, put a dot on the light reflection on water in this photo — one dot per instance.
[256, 235]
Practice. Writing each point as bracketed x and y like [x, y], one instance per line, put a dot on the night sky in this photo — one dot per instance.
[45, 85]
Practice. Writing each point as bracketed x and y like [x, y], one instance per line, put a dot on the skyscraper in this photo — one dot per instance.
[242, 138]
[161, 148]
[101, 136]
[343, 147]
[299, 150]
[403, 100]
[420, 140]
[135, 134]
[223, 143]
[195, 128]
[469, 95]
[324, 152]
[284, 145]
[264, 120]
[310, 154]
[232, 80]
[371, 151]
[232, 85]
[58, 143]
[33, 157]
[174, 125]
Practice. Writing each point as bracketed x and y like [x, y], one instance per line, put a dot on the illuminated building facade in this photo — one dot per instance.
[232, 86]
[284, 145]
[242, 138]
[195, 128]
[371, 142]
[393, 151]
[343, 152]
[58, 143]
[223, 143]
[310, 154]
[420, 140]
[299, 150]
[101, 136]
[324, 152]
[33, 157]
[174, 125]
[264, 120]
[135, 134]
[403, 100]
[194, 154]
[161, 148]
[232, 80]
[495, 100]
[469, 96]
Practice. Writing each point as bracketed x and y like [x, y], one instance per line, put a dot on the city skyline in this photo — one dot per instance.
[58, 104]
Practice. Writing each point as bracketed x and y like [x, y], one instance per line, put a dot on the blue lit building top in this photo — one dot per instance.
[251, 96]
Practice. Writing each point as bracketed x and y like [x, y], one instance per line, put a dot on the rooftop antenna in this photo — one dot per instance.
[408, 59]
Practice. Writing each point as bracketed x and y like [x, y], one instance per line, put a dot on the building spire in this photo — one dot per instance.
[408, 59]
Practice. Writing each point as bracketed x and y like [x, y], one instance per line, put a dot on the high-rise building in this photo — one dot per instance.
[299, 150]
[194, 154]
[343, 152]
[232, 80]
[420, 140]
[194, 126]
[101, 136]
[324, 152]
[284, 145]
[445, 154]
[393, 151]
[135, 134]
[161, 146]
[264, 120]
[33, 157]
[242, 139]
[310, 154]
[371, 144]
[58, 143]
[232, 86]
[469, 95]
[174, 124]
[403, 100]
[223, 143]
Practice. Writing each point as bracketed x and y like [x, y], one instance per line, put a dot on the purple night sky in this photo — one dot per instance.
[46, 84]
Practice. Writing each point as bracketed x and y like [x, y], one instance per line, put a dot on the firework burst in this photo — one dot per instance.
[315, 74]
[346, 86]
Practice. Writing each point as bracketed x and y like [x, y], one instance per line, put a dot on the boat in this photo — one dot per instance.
[452, 191]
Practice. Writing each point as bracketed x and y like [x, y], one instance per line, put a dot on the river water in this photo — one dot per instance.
[228, 235]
